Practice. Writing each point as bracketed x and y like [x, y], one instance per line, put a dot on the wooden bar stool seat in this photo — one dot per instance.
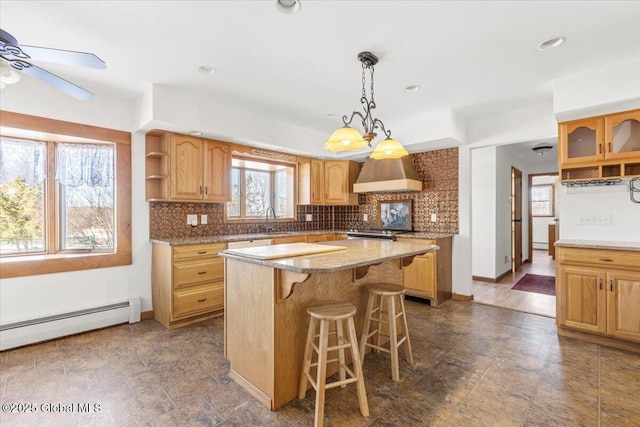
[325, 312]
[378, 294]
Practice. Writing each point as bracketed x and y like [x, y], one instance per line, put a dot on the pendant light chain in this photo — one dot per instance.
[364, 93]
[372, 69]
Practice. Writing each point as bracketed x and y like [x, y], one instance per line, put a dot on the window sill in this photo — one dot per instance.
[31, 265]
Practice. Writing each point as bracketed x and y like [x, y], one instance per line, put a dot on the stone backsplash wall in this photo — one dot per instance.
[438, 171]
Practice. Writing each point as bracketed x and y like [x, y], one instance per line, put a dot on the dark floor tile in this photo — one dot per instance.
[473, 365]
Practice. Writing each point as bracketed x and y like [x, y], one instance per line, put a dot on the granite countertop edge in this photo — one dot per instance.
[598, 244]
[277, 263]
[224, 238]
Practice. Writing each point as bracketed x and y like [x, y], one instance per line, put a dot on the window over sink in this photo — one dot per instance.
[259, 184]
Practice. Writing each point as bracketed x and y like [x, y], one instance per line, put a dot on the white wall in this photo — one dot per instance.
[461, 276]
[613, 201]
[612, 88]
[483, 211]
[35, 296]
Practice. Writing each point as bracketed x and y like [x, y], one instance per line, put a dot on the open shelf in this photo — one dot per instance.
[156, 166]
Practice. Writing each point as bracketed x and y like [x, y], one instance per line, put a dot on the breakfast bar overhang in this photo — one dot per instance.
[266, 299]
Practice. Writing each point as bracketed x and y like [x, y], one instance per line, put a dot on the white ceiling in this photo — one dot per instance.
[474, 57]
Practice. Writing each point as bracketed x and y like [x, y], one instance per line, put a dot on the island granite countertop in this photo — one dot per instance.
[359, 253]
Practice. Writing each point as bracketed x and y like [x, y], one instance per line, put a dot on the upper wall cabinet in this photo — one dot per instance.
[184, 168]
[327, 182]
[600, 147]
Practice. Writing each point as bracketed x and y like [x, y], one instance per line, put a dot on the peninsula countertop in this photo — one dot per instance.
[598, 244]
[358, 253]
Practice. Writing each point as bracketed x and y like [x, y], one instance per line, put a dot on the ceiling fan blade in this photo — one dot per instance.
[52, 80]
[60, 56]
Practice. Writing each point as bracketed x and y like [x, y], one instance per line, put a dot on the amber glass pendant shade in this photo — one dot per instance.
[345, 139]
[389, 149]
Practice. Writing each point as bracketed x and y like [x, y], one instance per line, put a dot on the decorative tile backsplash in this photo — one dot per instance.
[438, 171]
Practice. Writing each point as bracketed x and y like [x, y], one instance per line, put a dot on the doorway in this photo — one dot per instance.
[543, 227]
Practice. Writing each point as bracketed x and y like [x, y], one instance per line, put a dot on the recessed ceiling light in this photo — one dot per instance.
[207, 69]
[552, 43]
[195, 133]
[412, 89]
[288, 6]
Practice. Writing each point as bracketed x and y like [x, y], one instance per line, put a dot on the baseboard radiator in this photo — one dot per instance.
[45, 328]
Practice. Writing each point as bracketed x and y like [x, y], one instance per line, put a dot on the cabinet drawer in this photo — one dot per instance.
[196, 300]
[190, 273]
[599, 257]
[197, 251]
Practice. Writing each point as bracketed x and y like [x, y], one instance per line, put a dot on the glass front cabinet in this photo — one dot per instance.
[600, 147]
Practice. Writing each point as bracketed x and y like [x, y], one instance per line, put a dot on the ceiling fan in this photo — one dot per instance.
[17, 57]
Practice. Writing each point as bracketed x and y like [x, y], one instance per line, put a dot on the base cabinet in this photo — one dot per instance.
[598, 292]
[429, 275]
[187, 283]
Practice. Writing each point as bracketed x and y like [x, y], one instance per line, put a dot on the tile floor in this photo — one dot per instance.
[501, 295]
[476, 365]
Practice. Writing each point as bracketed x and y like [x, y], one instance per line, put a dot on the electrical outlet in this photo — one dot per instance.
[192, 220]
[309, 217]
[506, 259]
[204, 219]
[434, 217]
[365, 217]
[594, 219]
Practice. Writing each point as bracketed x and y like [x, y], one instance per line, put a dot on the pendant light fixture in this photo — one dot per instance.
[349, 139]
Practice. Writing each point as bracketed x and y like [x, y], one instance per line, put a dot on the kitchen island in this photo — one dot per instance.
[266, 299]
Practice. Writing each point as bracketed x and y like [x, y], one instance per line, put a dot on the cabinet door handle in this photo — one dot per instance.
[611, 285]
[605, 259]
[206, 189]
[610, 147]
[202, 252]
[599, 148]
[202, 272]
[202, 300]
[201, 189]
[600, 284]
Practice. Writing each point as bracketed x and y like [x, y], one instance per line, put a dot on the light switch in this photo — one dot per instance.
[203, 219]
[365, 217]
[192, 220]
[309, 217]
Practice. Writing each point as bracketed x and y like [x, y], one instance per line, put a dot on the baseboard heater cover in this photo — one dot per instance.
[49, 327]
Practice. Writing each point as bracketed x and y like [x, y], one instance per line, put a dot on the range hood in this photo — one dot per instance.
[387, 175]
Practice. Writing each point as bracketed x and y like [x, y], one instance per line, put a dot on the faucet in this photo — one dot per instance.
[266, 219]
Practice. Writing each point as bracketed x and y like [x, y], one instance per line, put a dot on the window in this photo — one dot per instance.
[542, 200]
[65, 201]
[258, 185]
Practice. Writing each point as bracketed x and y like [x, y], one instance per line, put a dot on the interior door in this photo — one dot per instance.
[516, 219]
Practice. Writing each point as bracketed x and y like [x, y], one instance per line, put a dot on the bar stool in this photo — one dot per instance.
[324, 312]
[388, 292]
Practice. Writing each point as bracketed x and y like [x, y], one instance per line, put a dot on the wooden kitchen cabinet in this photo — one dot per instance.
[328, 182]
[187, 283]
[186, 168]
[429, 275]
[598, 293]
[600, 147]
